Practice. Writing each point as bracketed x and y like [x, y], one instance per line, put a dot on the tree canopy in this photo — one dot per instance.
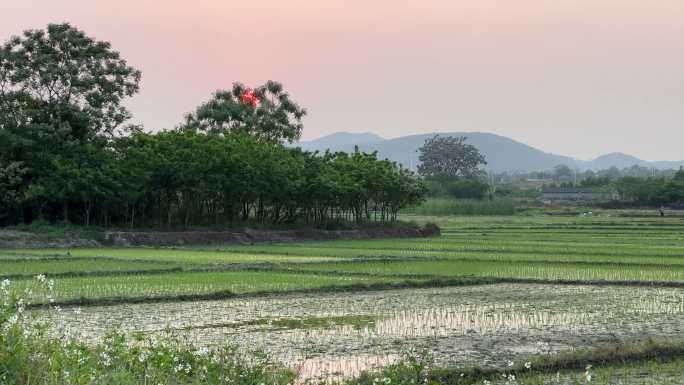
[450, 157]
[227, 163]
[60, 100]
[275, 118]
[60, 77]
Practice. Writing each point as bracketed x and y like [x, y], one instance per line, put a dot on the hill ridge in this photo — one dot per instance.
[502, 153]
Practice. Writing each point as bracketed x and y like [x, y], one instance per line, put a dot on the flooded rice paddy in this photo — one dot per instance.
[338, 335]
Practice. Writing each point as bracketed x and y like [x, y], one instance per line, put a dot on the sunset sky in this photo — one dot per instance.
[575, 77]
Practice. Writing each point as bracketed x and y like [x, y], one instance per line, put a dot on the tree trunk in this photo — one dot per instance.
[65, 209]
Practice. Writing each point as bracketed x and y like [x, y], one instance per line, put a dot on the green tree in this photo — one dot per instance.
[276, 117]
[562, 171]
[78, 81]
[679, 175]
[11, 176]
[60, 92]
[450, 157]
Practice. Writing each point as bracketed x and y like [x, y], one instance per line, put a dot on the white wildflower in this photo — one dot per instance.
[106, 359]
[201, 352]
[12, 320]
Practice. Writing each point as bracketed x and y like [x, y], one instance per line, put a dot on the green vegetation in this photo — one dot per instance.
[270, 282]
[633, 362]
[456, 185]
[542, 248]
[450, 157]
[188, 285]
[66, 156]
[188, 256]
[34, 266]
[635, 186]
[29, 355]
[468, 207]
[504, 269]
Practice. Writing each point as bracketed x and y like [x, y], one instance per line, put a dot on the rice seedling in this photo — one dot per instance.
[189, 284]
[185, 256]
[483, 326]
[31, 267]
[295, 317]
[505, 269]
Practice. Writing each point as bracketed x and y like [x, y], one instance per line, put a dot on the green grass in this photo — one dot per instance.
[444, 207]
[542, 247]
[166, 254]
[151, 286]
[638, 250]
[628, 362]
[647, 372]
[544, 271]
[481, 249]
[75, 265]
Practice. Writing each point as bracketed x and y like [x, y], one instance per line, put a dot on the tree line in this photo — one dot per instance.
[639, 191]
[633, 186]
[66, 155]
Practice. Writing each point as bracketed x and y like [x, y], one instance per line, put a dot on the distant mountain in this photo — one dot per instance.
[617, 159]
[340, 139]
[502, 153]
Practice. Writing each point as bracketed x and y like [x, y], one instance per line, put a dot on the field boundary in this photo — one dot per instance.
[22, 240]
[227, 294]
[411, 282]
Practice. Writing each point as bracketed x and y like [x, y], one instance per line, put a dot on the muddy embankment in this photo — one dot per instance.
[19, 239]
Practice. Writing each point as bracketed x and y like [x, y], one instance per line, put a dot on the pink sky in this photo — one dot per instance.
[576, 77]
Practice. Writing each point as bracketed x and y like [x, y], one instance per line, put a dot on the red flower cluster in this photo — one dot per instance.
[249, 97]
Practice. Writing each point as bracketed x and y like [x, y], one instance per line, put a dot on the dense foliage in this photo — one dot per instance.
[275, 117]
[65, 157]
[458, 188]
[635, 186]
[450, 167]
[651, 191]
[450, 157]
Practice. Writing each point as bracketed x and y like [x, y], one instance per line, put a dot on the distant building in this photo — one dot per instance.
[575, 194]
